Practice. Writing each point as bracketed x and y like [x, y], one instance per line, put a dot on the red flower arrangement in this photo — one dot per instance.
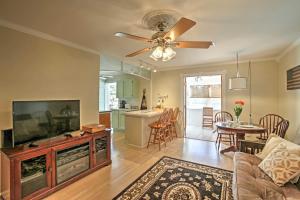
[240, 102]
[238, 108]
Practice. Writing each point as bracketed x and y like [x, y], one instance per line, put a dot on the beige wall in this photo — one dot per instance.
[36, 69]
[264, 86]
[33, 69]
[289, 100]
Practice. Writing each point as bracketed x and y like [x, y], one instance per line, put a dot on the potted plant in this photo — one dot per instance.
[238, 108]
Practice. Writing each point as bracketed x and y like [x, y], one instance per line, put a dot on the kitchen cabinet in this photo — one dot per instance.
[121, 119]
[118, 118]
[120, 89]
[127, 88]
[115, 119]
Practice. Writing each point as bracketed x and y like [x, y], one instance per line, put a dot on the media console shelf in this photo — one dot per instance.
[35, 172]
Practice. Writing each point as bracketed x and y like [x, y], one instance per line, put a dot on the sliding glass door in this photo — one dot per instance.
[203, 98]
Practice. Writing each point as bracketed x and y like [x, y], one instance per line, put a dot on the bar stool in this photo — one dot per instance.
[174, 122]
[157, 132]
[168, 123]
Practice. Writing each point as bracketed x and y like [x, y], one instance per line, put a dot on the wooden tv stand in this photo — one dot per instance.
[36, 172]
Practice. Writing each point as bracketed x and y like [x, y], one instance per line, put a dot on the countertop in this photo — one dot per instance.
[121, 109]
[125, 109]
[104, 111]
[143, 113]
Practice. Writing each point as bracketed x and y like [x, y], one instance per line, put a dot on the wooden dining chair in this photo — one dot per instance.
[208, 117]
[254, 147]
[158, 130]
[224, 136]
[270, 122]
[282, 128]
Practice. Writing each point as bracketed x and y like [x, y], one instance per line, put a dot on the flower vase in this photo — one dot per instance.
[237, 119]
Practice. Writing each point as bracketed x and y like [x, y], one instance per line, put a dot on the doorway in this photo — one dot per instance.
[201, 91]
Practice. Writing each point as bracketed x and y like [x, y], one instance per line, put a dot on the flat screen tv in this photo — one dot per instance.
[36, 120]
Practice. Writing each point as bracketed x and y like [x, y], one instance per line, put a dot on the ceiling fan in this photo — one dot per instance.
[163, 41]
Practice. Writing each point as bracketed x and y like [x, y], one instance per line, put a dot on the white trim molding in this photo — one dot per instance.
[214, 64]
[45, 36]
[288, 49]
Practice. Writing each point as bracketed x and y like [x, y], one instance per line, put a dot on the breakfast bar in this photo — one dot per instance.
[137, 130]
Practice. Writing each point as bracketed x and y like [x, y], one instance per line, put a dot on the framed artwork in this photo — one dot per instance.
[293, 78]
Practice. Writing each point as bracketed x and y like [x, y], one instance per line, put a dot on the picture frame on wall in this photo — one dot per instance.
[293, 78]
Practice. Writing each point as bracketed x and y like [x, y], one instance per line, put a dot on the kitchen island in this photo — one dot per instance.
[137, 131]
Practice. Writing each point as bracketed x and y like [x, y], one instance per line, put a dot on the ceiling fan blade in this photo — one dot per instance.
[179, 28]
[193, 44]
[139, 52]
[126, 35]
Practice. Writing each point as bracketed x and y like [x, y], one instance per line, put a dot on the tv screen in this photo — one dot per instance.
[35, 120]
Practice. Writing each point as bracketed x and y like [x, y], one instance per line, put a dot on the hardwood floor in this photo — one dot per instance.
[200, 133]
[128, 163]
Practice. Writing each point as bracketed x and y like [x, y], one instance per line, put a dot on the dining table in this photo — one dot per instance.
[240, 131]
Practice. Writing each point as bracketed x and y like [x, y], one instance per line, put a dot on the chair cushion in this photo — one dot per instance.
[281, 165]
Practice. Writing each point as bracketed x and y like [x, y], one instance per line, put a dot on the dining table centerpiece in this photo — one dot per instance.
[238, 109]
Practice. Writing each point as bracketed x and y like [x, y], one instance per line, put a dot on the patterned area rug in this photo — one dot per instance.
[173, 179]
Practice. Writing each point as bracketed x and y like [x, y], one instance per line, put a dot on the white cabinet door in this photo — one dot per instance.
[120, 89]
[128, 88]
[115, 119]
[121, 120]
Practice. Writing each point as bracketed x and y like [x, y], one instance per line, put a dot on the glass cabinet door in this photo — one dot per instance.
[101, 150]
[34, 175]
[72, 161]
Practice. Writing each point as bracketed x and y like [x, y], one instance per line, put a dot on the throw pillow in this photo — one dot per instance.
[281, 165]
[275, 140]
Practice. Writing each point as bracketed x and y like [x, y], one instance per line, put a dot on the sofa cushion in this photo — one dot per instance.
[250, 182]
[281, 165]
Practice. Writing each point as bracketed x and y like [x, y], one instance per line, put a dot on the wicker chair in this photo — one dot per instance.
[224, 136]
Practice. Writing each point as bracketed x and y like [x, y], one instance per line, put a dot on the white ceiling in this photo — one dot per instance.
[255, 28]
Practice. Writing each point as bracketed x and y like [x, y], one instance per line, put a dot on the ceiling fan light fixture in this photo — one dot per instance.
[155, 59]
[169, 52]
[157, 53]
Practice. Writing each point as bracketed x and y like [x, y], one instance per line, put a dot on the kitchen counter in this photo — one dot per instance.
[143, 113]
[124, 109]
[104, 111]
[137, 129]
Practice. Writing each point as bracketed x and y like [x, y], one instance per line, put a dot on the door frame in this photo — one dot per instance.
[183, 91]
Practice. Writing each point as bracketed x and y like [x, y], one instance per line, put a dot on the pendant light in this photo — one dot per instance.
[237, 82]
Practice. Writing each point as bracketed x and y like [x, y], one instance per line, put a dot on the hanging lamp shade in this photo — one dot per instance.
[237, 82]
